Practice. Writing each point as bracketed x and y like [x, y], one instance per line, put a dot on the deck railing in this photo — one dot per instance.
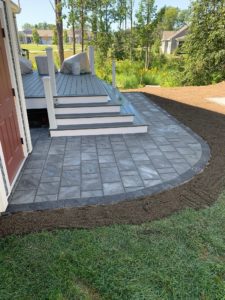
[51, 70]
[91, 59]
[50, 102]
[114, 73]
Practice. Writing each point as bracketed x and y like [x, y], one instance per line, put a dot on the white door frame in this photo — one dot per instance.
[7, 22]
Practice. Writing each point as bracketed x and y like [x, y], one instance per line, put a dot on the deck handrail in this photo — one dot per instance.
[50, 102]
[51, 69]
[91, 59]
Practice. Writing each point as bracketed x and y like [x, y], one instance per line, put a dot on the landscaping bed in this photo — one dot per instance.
[200, 192]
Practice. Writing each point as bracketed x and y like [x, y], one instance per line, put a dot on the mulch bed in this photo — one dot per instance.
[202, 191]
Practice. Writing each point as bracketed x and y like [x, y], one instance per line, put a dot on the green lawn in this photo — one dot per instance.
[35, 50]
[181, 257]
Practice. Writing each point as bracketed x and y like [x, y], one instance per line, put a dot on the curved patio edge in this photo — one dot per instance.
[197, 168]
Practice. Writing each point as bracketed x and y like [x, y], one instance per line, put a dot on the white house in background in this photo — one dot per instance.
[78, 35]
[15, 140]
[171, 40]
[46, 36]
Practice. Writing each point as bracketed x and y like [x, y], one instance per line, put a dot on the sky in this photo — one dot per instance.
[36, 11]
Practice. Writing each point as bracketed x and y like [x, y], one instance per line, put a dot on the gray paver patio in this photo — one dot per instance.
[108, 169]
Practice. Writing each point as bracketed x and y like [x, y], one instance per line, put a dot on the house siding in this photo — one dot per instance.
[170, 44]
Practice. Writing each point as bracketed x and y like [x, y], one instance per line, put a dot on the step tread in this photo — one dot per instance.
[73, 105]
[93, 115]
[98, 126]
[81, 96]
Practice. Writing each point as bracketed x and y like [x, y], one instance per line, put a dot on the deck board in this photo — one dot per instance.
[67, 85]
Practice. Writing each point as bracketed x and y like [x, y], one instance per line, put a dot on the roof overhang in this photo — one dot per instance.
[15, 7]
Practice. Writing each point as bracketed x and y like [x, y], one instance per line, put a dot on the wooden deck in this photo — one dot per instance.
[67, 85]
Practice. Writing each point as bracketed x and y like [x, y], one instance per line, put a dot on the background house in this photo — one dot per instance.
[78, 35]
[171, 40]
[46, 36]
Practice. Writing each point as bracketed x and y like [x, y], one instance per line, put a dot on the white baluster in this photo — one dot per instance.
[114, 73]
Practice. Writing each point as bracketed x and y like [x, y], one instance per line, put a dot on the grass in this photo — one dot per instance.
[181, 257]
[35, 50]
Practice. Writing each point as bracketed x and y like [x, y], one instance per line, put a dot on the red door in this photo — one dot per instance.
[9, 129]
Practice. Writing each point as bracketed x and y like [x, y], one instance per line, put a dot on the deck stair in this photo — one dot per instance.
[96, 115]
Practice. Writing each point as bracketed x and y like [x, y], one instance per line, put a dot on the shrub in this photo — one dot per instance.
[165, 71]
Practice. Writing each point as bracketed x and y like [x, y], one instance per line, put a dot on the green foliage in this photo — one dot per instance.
[28, 26]
[36, 37]
[181, 257]
[164, 72]
[41, 25]
[55, 37]
[65, 37]
[119, 46]
[138, 39]
[204, 46]
[170, 18]
[145, 27]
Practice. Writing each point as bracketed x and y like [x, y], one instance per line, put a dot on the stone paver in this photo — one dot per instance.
[107, 169]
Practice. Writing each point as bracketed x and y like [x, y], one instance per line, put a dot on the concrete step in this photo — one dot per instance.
[82, 99]
[89, 108]
[104, 118]
[99, 129]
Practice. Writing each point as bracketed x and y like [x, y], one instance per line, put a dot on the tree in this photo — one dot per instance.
[170, 18]
[45, 26]
[65, 37]
[78, 13]
[145, 24]
[59, 28]
[183, 17]
[121, 12]
[36, 37]
[27, 26]
[55, 37]
[130, 14]
[72, 19]
[205, 61]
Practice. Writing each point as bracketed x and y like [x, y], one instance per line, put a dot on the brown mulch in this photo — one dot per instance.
[188, 106]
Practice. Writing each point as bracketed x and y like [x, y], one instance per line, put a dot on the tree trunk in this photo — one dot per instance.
[59, 28]
[131, 30]
[82, 26]
[74, 38]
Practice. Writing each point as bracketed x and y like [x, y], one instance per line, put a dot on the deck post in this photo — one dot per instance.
[91, 59]
[49, 102]
[114, 73]
[51, 70]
